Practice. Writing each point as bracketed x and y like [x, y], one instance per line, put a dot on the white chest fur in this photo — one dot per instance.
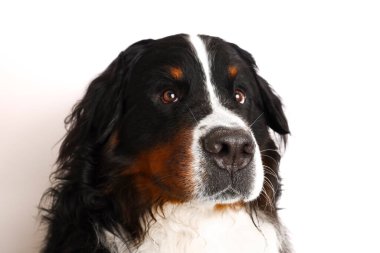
[189, 228]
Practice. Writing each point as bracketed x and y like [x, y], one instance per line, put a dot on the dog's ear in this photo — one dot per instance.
[90, 124]
[94, 117]
[272, 107]
[269, 102]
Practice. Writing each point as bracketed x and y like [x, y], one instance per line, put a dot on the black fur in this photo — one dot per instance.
[90, 194]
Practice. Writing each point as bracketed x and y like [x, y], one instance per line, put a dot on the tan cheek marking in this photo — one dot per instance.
[113, 141]
[164, 172]
[232, 71]
[224, 207]
[176, 73]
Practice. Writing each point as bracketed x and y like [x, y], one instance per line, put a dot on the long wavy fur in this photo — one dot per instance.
[76, 203]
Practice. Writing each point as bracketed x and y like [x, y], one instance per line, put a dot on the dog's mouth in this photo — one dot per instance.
[228, 194]
[220, 186]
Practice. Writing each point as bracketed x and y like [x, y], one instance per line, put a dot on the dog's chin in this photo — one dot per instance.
[228, 195]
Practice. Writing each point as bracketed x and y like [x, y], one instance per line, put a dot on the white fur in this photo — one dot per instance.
[203, 58]
[196, 228]
[220, 117]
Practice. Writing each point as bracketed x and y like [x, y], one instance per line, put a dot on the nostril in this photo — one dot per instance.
[217, 146]
[212, 146]
[248, 148]
[225, 149]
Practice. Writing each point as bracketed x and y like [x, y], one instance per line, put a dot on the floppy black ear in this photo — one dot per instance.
[272, 106]
[95, 116]
[75, 191]
[268, 101]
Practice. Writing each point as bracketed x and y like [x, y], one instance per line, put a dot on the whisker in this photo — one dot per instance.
[266, 196]
[276, 150]
[191, 113]
[271, 172]
[256, 120]
[269, 199]
[270, 185]
[271, 158]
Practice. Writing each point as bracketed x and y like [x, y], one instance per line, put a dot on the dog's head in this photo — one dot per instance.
[179, 119]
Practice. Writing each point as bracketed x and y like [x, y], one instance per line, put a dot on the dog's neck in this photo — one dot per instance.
[205, 228]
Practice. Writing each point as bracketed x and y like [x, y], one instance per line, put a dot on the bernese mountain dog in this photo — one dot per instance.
[175, 147]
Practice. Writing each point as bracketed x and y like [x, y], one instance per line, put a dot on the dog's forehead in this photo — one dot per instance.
[172, 54]
[182, 51]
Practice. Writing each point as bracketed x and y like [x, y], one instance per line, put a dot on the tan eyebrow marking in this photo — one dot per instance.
[232, 71]
[176, 73]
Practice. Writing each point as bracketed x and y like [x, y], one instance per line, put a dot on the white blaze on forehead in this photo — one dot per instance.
[203, 57]
[220, 114]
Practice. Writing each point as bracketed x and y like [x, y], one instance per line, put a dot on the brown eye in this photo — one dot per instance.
[169, 96]
[240, 96]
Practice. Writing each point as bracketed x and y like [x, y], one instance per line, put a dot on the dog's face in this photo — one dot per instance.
[190, 122]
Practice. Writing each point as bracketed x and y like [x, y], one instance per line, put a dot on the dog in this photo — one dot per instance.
[175, 147]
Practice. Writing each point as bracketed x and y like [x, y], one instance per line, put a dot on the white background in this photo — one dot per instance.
[322, 57]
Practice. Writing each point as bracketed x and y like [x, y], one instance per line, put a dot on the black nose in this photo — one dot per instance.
[231, 149]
